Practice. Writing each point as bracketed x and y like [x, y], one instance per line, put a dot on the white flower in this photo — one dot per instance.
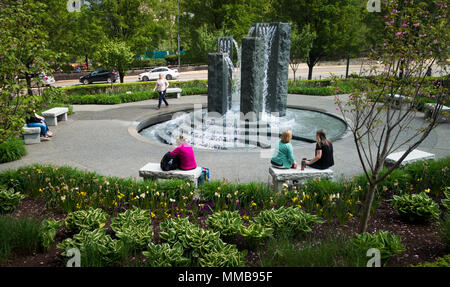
[142, 195]
[171, 200]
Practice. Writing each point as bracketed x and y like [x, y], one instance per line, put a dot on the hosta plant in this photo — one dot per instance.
[384, 241]
[9, 200]
[85, 220]
[134, 227]
[48, 231]
[223, 255]
[226, 222]
[416, 207]
[162, 255]
[446, 200]
[96, 244]
[287, 218]
[255, 233]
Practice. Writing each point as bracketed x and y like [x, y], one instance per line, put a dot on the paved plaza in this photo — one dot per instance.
[103, 138]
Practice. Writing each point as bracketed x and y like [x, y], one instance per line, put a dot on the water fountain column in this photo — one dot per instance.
[219, 83]
[252, 74]
[278, 64]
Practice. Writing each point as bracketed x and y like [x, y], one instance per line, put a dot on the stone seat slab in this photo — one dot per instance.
[414, 156]
[173, 91]
[54, 115]
[444, 115]
[280, 175]
[153, 171]
[31, 135]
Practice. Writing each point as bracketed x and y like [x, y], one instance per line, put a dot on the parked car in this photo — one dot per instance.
[47, 80]
[168, 73]
[100, 75]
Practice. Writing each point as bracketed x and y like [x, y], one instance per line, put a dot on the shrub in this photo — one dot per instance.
[162, 255]
[416, 207]
[18, 236]
[290, 218]
[445, 230]
[96, 247]
[255, 233]
[48, 231]
[384, 241]
[226, 222]
[223, 255]
[12, 149]
[85, 220]
[134, 227]
[9, 200]
[446, 200]
[440, 262]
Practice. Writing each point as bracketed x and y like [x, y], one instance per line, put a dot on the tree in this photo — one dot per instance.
[115, 55]
[417, 36]
[327, 18]
[23, 53]
[301, 44]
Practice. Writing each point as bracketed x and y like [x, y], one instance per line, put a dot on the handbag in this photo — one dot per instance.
[169, 162]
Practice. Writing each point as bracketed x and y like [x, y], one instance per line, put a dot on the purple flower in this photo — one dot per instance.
[398, 34]
[416, 24]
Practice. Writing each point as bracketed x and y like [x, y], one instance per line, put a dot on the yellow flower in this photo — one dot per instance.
[246, 217]
[253, 203]
[298, 205]
[427, 190]
[152, 214]
[349, 214]
[40, 190]
[294, 200]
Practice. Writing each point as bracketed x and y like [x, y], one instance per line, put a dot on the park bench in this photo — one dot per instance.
[174, 91]
[414, 156]
[54, 115]
[282, 175]
[400, 101]
[444, 115]
[153, 171]
[31, 135]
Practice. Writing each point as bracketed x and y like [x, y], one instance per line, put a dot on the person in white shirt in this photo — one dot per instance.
[162, 85]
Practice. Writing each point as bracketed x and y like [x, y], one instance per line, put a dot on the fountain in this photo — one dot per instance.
[247, 108]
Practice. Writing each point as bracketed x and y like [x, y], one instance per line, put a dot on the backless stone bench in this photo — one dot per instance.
[54, 115]
[443, 116]
[281, 175]
[414, 156]
[31, 135]
[174, 91]
[400, 101]
[153, 171]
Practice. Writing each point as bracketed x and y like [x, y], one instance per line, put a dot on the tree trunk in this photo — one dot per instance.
[29, 88]
[121, 76]
[310, 71]
[348, 65]
[367, 206]
[86, 60]
[294, 76]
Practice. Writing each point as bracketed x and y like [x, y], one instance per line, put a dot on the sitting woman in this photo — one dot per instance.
[283, 156]
[35, 120]
[324, 152]
[185, 154]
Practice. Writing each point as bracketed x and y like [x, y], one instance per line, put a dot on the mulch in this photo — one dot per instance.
[421, 241]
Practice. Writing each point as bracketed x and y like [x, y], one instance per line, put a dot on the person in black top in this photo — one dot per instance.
[35, 120]
[324, 152]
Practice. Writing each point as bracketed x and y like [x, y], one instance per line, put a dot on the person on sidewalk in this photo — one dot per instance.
[283, 156]
[185, 154]
[161, 84]
[35, 120]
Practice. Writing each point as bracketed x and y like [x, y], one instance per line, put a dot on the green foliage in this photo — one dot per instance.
[289, 218]
[115, 55]
[9, 200]
[255, 233]
[96, 247]
[445, 230]
[226, 222]
[416, 207]
[48, 231]
[163, 255]
[223, 255]
[18, 235]
[12, 149]
[440, 262]
[384, 241]
[85, 220]
[134, 227]
[446, 200]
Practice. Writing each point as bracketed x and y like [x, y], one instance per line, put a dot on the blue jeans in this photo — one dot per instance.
[162, 98]
[43, 126]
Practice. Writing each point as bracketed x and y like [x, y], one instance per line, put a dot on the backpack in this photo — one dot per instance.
[169, 162]
[204, 177]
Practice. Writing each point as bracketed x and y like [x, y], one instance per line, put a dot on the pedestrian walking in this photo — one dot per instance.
[161, 84]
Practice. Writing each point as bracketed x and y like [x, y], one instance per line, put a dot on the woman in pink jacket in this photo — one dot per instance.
[185, 154]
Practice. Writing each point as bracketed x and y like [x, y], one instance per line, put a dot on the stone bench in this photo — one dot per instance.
[414, 156]
[54, 115]
[443, 116]
[153, 171]
[31, 135]
[400, 101]
[281, 175]
[174, 91]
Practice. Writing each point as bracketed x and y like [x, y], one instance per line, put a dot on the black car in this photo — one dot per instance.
[100, 75]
